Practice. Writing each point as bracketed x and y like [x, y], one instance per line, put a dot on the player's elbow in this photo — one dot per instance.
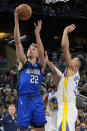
[15, 39]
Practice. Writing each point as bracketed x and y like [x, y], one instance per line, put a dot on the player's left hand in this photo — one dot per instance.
[70, 28]
[46, 57]
[38, 26]
[16, 13]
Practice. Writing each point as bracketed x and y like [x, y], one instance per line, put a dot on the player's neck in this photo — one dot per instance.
[70, 72]
[32, 60]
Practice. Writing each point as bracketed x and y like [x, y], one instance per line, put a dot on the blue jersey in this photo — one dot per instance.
[30, 79]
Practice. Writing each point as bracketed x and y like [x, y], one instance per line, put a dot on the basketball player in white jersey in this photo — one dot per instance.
[67, 89]
[51, 107]
[51, 98]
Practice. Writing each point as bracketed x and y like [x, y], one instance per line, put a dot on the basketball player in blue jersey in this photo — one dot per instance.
[30, 104]
[68, 85]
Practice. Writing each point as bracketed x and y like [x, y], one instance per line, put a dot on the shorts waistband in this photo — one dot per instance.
[30, 97]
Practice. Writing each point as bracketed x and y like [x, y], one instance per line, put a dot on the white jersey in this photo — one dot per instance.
[67, 89]
[67, 112]
[52, 108]
[52, 101]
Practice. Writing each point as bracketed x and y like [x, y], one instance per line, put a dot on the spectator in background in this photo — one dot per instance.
[1, 107]
[85, 121]
[80, 85]
[62, 58]
[9, 121]
[1, 96]
[81, 115]
[77, 128]
[84, 91]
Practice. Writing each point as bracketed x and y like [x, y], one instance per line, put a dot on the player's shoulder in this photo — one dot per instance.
[22, 66]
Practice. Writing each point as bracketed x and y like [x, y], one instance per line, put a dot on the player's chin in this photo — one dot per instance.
[30, 56]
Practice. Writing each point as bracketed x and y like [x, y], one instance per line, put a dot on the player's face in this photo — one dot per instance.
[76, 62]
[32, 52]
[52, 82]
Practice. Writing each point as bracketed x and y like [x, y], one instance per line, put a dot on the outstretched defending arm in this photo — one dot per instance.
[65, 44]
[39, 44]
[57, 74]
[19, 49]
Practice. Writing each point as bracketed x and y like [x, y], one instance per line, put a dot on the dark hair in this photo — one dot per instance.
[77, 126]
[83, 62]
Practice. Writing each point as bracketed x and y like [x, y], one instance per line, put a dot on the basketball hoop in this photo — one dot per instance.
[54, 1]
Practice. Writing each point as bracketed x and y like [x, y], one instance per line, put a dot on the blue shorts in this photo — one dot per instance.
[30, 112]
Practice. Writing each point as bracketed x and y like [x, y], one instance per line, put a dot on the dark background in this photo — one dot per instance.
[55, 18]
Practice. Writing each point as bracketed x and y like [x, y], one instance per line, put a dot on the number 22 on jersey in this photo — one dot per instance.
[34, 79]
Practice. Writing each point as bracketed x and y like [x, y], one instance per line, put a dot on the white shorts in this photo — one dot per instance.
[47, 124]
[51, 122]
[66, 118]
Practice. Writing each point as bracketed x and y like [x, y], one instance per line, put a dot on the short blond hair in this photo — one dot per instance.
[11, 105]
[33, 44]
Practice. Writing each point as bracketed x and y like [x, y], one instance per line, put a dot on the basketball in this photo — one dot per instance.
[25, 12]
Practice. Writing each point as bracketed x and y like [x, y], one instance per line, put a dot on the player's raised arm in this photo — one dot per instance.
[39, 44]
[65, 44]
[57, 74]
[19, 48]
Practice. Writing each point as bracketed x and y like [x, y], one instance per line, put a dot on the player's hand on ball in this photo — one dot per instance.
[70, 28]
[17, 11]
[38, 26]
